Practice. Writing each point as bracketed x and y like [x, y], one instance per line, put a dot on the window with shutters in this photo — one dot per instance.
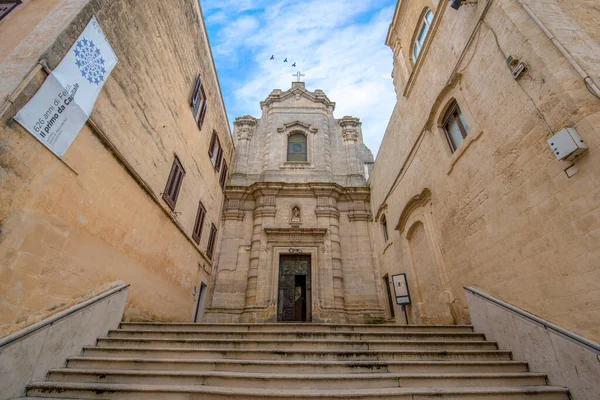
[297, 147]
[223, 179]
[174, 183]
[211, 241]
[455, 126]
[7, 6]
[199, 102]
[215, 152]
[197, 234]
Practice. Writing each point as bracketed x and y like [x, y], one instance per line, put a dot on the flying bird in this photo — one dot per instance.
[285, 60]
[294, 64]
[273, 57]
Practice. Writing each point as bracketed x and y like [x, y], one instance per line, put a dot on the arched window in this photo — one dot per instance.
[422, 34]
[455, 126]
[296, 147]
[384, 228]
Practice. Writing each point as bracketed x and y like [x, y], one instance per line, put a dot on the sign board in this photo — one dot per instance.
[401, 289]
[61, 107]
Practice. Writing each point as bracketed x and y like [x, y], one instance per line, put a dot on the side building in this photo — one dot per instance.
[138, 195]
[466, 188]
[296, 243]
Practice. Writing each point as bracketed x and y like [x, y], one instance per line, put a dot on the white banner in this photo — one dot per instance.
[61, 107]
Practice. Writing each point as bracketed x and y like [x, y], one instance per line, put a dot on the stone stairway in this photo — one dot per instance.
[294, 361]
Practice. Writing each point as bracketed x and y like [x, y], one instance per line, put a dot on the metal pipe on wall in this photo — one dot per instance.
[586, 78]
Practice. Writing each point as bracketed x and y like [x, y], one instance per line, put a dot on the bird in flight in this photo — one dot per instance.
[273, 57]
[294, 64]
[285, 60]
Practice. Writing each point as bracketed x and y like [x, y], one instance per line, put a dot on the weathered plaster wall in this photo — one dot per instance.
[502, 214]
[64, 234]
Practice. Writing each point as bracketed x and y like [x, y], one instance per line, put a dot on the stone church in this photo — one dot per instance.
[296, 243]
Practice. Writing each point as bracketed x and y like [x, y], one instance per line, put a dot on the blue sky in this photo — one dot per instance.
[338, 44]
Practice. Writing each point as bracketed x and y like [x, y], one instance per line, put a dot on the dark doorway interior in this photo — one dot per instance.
[294, 302]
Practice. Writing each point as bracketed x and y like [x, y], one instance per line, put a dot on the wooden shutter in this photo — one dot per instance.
[196, 91]
[211, 147]
[211, 241]
[219, 158]
[174, 183]
[197, 234]
[203, 112]
[223, 174]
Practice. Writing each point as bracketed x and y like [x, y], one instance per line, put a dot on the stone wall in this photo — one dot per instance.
[65, 233]
[500, 213]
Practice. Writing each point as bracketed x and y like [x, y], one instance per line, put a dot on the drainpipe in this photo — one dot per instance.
[589, 82]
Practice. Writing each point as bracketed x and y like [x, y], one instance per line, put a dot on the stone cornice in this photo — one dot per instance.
[298, 89]
[297, 235]
[414, 203]
[289, 127]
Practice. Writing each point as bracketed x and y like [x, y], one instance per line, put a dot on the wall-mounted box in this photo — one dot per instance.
[567, 144]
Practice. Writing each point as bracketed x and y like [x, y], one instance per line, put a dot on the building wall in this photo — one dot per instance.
[333, 198]
[67, 233]
[500, 213]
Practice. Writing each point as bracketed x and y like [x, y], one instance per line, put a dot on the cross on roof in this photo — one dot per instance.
[298, 75]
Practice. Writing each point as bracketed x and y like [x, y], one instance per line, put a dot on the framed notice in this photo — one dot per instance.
[401, 289]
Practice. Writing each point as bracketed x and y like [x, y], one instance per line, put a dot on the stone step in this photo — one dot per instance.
[224, 334]
[128, 392]
[294, 327]
[290, 344]
[298, 367]
[320, 355]
[295, 381]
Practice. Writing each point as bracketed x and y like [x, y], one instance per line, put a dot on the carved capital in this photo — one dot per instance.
[244, 127]
[350, 128]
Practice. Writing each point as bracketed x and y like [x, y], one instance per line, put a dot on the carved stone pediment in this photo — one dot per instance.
[296, 125]
[297, 91]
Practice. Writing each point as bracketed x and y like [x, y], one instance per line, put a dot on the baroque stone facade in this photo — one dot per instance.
[465, 179]
[314, 203]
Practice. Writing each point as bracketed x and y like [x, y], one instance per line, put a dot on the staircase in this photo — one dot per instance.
[294, 361]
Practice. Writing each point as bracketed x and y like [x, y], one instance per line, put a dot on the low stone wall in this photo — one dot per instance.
[27, 355]
[568, 360]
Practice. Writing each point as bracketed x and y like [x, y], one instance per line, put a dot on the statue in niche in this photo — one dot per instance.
[296, 215]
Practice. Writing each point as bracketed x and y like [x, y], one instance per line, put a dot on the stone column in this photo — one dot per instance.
[331, 274]
[263, 215]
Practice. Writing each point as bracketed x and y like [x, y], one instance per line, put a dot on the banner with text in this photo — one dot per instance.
[61, 107]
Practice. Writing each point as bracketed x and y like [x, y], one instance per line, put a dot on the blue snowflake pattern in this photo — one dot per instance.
[89, 61]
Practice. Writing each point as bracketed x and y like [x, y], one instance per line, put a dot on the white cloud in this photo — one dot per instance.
[347, 60]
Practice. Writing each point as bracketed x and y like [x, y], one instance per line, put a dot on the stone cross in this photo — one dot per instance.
[298, 75]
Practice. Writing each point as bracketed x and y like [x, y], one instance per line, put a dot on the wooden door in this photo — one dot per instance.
[294, 295]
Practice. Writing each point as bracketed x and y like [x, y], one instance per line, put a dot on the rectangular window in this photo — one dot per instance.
[174, 183]
[211, 241]
[199, 223]
[384, 228]
[7, 6]
[199, 102]
[455, 127]
[223, 179]
[215, 152]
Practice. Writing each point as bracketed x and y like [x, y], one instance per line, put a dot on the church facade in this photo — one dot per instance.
[296, 239]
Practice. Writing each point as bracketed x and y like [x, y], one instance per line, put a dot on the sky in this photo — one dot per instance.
[338, 44]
